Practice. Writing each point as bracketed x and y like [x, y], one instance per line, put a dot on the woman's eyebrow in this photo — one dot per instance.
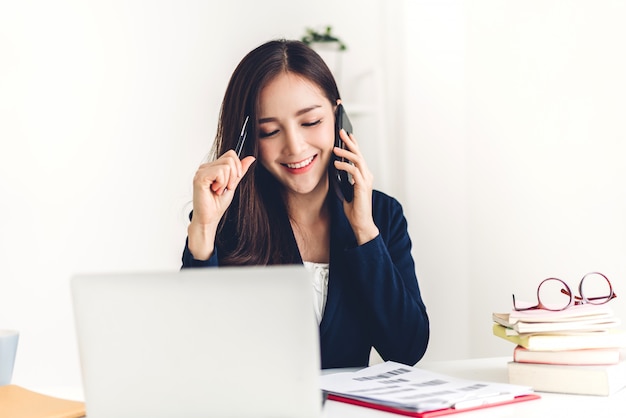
[306, 109]
[298, 113]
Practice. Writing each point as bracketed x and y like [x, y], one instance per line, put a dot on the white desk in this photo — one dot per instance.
[491, 369]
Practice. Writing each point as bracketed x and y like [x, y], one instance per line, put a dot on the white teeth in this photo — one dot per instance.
[300, 164]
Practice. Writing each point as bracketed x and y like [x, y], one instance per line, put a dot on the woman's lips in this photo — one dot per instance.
[300, 164]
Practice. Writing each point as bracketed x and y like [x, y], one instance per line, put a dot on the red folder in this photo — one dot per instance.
[428, 414]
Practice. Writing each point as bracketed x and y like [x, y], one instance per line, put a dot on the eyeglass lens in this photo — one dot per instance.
[550, 295]
[595, 288]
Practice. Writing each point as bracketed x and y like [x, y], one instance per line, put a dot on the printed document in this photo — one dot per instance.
[404, 387]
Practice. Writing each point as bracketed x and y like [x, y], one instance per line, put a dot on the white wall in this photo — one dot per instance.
[106, 110]
[436, 169]
[515, 152]
[506, 115]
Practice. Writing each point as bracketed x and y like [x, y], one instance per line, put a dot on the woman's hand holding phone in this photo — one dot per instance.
[359, 211]
[213, 187]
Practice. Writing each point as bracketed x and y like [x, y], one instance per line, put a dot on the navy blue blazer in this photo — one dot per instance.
[373, 294]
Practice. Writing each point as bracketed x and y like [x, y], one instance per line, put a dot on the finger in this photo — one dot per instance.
[234, 173]
[219, 182]
[348, 138]
[242, 168]
[204, 176]
[212, 177]
[231, 155]
[353, 157]
[246, 163]
[350, 169]
[360, 174]
[229, 162]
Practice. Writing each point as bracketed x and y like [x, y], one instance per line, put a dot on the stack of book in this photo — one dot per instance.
[579, 350]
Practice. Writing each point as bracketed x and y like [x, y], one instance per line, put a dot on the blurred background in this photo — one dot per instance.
[498, 125]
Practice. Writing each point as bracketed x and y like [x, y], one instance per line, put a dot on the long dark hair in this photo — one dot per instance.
[255, 228]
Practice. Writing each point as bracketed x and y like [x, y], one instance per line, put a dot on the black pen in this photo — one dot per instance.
[242, 138]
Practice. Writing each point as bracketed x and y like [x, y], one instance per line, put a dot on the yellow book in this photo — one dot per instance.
[17, 402]
[565, 341]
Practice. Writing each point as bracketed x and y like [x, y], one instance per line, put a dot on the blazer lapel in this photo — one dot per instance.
[341, 237]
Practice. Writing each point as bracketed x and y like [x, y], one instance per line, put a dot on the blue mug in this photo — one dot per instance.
[8, 348]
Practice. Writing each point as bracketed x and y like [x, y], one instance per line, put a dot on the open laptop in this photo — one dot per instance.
[209, 342]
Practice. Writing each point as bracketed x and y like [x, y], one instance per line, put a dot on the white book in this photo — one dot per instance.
[591, 325]
[573, 313]
[573, 379]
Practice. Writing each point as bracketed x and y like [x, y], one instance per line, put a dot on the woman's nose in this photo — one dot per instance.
[294, 141]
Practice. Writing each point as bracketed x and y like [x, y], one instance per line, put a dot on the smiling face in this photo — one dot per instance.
[296, 133]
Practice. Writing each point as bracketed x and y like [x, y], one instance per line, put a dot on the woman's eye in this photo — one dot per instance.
[267, 134]
[317, 122]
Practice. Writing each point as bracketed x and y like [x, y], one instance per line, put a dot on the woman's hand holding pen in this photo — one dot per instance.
[213, 187]
[359, 211]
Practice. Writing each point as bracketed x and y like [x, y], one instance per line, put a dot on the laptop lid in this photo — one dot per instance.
[210, 342]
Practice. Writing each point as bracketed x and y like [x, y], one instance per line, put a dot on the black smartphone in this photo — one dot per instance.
[344, 184]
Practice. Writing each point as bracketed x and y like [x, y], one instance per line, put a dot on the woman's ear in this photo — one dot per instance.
[336, 105]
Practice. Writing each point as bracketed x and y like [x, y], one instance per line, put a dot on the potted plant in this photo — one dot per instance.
[324, 39]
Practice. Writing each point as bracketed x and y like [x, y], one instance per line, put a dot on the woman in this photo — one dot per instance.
[277, 206]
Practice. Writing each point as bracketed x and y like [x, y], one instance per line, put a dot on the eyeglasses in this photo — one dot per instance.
[555, 295]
